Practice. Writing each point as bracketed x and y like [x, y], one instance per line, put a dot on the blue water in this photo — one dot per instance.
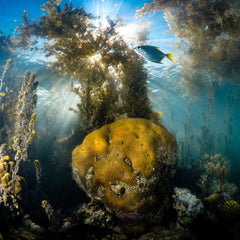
[206, 122]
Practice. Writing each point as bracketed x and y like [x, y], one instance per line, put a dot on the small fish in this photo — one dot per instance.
[152, 53]
[205, 28]
[35, 85]
[110, 22]
[91, 28]
[112, 50]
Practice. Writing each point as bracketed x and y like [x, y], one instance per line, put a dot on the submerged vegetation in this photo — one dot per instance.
[126, 173]
[209, 38]
[16, 135]
[112, 79]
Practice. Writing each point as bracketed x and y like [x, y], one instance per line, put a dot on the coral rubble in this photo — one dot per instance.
[124, 163]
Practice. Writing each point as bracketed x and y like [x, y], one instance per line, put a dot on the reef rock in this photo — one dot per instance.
[125, 163]
[187, 205]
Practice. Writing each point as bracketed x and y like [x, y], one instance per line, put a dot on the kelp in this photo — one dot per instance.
[112, 84]
[209, 38]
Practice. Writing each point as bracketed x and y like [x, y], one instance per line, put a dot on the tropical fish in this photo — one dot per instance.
[152, 53]
[92, 28]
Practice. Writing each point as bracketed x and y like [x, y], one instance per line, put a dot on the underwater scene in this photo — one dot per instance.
[119, 120]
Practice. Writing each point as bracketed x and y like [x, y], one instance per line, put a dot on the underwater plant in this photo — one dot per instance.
[209, 39]
[112, 79]
[17, 133]
[5, 69]
[49, 211]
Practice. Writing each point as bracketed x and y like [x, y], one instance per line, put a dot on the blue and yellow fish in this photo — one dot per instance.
[152, 53]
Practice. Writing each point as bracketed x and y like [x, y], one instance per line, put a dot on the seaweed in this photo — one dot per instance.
[111, 84]
[209, 38]
[16, 135]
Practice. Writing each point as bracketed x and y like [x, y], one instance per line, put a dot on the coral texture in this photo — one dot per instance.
[187, 205]
[231, 208]
[215, 171]
[123, 162]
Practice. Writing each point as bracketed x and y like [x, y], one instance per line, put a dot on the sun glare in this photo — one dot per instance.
[103, 9]
[107, 11]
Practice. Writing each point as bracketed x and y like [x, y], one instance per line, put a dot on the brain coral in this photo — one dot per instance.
[123, 162]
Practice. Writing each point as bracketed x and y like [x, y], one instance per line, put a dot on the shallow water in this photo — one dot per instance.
[199, 106]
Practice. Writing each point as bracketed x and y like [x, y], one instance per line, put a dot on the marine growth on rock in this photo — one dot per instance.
[123, 163]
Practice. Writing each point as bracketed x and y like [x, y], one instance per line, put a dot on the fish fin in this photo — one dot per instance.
[170, 57]
[159, 50]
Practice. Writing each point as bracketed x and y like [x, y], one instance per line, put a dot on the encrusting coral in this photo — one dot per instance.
[123, 162]
[218, 166]
[215, 170]
[218, 194]
[187, 205]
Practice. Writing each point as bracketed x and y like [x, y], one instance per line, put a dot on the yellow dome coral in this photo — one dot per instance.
[123, 162]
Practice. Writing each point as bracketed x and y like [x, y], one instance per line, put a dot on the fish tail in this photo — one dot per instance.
[170, 57]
